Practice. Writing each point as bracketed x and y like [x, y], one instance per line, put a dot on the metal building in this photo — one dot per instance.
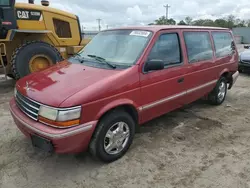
[242, 34]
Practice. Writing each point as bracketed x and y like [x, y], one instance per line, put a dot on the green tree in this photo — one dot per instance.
[188, 20]
[208, 22]
[240, 23]
[163, 21]
[171, 21]
[181, 23]
[199, 22]
[248, 23]
[230, 21]
[220, 23]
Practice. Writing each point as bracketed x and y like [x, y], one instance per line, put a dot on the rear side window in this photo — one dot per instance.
[199, 46]
[223, 43]
[167, 49]
[62, 28]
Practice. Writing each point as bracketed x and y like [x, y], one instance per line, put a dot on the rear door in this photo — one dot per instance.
[200, 77]
[163, 90]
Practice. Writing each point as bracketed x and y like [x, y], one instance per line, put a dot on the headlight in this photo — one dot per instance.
[69, 114]
[49, 113]
[60, 117]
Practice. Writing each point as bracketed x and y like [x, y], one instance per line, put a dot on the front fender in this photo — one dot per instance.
[115, 104]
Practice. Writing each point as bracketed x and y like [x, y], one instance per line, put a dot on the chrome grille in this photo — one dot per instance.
[27, 106]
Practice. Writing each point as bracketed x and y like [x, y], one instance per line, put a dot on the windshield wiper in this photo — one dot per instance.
[79, 58]
[101, 59]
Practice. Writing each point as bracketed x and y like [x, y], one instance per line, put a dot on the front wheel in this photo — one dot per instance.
[113, 136]
[218, 95]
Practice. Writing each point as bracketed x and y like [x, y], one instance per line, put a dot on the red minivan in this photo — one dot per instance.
[123, 78]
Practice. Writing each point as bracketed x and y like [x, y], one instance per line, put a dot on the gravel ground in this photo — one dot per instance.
[197, 146]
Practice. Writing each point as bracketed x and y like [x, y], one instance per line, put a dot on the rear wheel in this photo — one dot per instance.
[218, 95]
[113, 136]
[33, 57]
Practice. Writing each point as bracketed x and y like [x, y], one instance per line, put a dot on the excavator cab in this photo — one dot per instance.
[7, 17]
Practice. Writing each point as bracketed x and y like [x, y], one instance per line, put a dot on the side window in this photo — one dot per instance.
[223, 43]
[199, 46]
[62, 28]
[167, 49]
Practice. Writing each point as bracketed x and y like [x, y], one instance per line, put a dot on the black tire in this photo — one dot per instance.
[23, 54]
[213, 96]
[96, 147]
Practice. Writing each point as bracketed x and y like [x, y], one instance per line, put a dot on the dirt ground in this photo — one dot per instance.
[198, 146]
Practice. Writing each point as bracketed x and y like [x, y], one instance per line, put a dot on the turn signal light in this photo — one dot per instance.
[62, 124]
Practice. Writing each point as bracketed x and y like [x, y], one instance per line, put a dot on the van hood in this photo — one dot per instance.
[56, 84]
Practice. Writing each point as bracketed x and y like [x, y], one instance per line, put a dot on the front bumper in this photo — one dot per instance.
[234, 78]
[71, 140]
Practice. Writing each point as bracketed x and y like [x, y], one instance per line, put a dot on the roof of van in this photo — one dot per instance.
[156, 28]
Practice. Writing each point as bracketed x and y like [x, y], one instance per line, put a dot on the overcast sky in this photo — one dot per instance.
[141, 12]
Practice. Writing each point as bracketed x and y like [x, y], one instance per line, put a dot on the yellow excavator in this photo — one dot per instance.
[34, 37]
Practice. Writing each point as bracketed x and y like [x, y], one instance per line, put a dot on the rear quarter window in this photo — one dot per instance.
[223, 43]
[199, 47]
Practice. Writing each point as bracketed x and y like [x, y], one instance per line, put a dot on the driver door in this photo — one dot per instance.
[163, 90]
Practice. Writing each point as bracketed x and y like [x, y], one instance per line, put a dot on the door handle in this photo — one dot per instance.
[180, 80]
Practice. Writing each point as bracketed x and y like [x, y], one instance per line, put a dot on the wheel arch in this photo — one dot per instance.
[44, 35]
[95, 148]
[123, 104]
[226, 73]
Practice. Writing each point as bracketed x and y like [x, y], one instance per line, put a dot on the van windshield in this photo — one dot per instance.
[118, 47]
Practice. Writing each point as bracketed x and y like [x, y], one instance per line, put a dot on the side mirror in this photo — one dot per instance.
[233, 46]
[154, 65]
